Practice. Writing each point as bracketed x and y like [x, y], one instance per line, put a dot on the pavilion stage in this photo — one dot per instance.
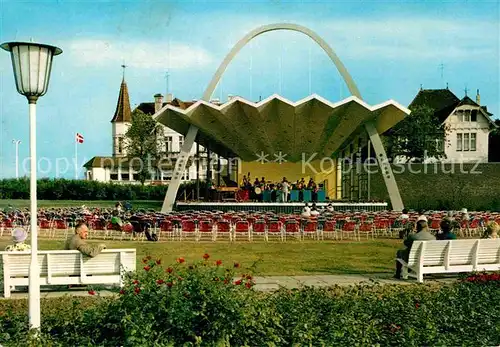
[291, 207]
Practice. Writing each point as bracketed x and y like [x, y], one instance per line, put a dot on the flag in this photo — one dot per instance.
[79, 138]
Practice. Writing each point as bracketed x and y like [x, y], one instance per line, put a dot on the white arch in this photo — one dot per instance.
[190, 137]
[280, 26]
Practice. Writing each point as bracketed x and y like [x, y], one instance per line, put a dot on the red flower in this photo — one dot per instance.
[236, 265]
[226, 281]
[135, 282]
[216, 279]
[218, 262]
[147, 267]
[137, 290]
[206, 256]
[91, 292]
[180, 260]
[122, 292]
[148, 257]
[417, 305]
[248, 285]
[160, 281]
[238, 282]
[144, 260]
[158, 261]
[249, 277]
[169, 284]
[169, 270]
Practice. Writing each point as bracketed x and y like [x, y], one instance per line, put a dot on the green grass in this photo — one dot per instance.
[19, 203]
[273, 258]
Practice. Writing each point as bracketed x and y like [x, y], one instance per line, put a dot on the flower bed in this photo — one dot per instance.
[209, 303]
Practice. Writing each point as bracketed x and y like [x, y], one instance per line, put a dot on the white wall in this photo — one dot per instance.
[481, 128]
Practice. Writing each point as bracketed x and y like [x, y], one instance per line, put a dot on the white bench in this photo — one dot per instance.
[451, 256]
[67, 267]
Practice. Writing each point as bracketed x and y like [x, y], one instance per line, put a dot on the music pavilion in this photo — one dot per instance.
[277, 138]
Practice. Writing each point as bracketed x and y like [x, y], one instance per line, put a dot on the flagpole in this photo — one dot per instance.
[76, 157]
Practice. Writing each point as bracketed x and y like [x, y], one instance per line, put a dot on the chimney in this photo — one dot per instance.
[158, 102]
[170, 97]
[478, 98]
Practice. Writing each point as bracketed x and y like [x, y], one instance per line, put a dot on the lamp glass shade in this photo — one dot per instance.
[32, 64]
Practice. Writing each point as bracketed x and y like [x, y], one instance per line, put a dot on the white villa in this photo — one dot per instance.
[469, 125]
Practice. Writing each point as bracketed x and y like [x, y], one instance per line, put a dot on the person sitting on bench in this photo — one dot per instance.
[422, 234]
[76, 242]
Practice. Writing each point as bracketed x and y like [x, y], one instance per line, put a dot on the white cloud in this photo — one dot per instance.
[142, 55]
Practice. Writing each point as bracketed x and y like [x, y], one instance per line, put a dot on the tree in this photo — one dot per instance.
[494, 144]
[420, 135]
[141, 141]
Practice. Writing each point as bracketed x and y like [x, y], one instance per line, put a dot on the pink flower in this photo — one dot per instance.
[238, 282]
[180, 260]
[147, 268]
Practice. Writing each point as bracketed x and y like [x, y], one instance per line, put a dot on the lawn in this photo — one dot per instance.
[19, 203]
[273, 258]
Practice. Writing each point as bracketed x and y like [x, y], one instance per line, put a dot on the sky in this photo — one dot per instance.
[390, 48]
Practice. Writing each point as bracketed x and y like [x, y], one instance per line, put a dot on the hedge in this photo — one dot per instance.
[444, 186]
[63, 189]
[207, 304]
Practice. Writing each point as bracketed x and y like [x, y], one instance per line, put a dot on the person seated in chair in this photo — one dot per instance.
[19, 235]
[446, 232]
[422, 234]
[77, 242]
[492, 230]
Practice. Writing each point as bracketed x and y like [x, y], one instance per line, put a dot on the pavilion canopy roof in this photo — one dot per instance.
[312, 125]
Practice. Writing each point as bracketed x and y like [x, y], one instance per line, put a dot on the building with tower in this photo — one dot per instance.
[119, 168]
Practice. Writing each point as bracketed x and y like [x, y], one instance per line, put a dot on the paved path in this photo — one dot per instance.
[271, 283]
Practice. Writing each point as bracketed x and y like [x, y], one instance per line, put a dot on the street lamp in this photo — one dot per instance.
[32, 63]
[17, 143]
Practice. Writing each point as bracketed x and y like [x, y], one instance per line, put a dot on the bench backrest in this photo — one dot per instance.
[455, 252]
[68, 263]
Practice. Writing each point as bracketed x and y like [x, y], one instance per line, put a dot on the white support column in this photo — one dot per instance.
[385, 167]
[180, 166]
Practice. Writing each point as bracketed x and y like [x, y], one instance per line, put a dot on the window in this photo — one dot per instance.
[460, 115]
[466, 142]
[113, 177]
[168, 143]
[120, 145]
[473, 141]
[459, 142]
[473, 116]
[181, 142]
[440, 145]
[125, 177]
[467, 116]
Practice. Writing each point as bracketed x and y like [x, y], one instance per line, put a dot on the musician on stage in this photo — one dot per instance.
[285, 186]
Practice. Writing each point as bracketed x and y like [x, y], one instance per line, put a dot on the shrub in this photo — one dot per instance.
[206, 304]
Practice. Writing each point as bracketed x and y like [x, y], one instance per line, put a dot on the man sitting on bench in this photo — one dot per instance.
[422, 234]
[76, 242]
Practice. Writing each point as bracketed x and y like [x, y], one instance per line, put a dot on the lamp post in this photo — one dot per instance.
[32, 63]
[17, 143]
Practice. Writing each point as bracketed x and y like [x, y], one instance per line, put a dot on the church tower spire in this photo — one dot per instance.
[122, 119]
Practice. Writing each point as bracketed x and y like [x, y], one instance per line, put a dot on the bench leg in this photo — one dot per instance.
[6, 290]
